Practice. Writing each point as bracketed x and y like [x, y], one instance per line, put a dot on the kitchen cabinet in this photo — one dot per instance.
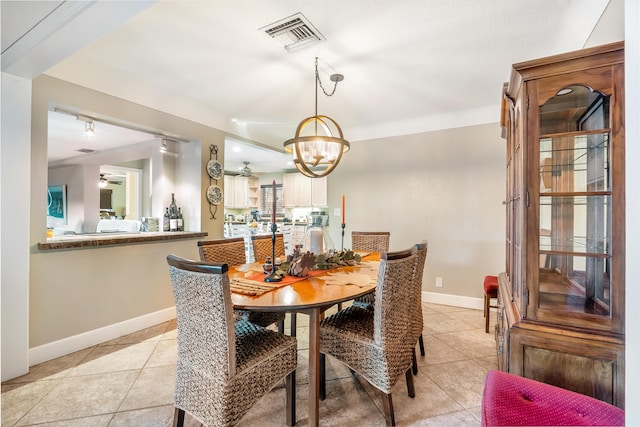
[302, 191]
[241, 191]
[229, 191]
[561, 298]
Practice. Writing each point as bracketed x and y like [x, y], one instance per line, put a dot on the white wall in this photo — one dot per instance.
[446, 187]
[15, 187]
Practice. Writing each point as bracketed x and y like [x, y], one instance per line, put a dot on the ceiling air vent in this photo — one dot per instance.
[86, 150]
[293, 32]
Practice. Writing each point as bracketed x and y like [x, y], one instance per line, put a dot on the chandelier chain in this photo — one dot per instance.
[335, 84]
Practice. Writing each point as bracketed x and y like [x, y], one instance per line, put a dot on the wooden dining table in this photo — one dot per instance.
[311, 296]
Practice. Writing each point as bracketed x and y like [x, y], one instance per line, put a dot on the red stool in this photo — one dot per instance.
[490, 291]
[511, 400]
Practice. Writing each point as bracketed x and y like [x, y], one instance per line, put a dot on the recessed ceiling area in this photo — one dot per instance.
[261, 159]
[67, 137]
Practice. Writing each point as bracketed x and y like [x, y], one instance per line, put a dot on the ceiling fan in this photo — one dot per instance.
[107, 178]
[246, 170]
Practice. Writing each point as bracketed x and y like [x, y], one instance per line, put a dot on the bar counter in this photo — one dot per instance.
[93, 240]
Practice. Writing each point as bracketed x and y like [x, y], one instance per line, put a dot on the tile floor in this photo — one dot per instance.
[129, 382]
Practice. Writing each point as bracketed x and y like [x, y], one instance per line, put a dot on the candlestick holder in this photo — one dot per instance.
[342, 237]
[273, 277]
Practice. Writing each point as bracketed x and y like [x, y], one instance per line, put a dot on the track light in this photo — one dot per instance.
[89, 129]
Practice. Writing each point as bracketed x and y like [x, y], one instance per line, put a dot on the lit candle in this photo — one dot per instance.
[273, 213]
[343, 208]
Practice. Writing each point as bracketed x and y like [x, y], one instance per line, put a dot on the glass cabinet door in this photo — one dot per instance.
[574, 208]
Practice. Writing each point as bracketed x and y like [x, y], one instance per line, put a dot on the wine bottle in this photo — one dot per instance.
[165, 220]
[180, 221]
[173, 214]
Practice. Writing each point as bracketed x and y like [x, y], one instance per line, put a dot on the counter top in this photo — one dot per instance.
[93, 240]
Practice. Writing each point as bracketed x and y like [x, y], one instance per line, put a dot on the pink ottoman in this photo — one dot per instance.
[510, 400]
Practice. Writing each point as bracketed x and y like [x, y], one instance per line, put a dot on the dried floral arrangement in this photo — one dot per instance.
[300, 263]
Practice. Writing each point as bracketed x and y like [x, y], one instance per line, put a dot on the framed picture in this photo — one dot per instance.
[57, 202]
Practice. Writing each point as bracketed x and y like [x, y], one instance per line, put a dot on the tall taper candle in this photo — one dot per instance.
[343, 208]
[273, 214]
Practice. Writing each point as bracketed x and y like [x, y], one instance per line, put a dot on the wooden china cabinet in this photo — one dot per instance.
[561, 298]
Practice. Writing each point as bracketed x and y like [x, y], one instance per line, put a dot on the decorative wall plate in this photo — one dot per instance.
[214, 194]
[214, 169]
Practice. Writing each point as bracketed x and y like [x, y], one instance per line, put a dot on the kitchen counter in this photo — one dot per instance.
[93, 240]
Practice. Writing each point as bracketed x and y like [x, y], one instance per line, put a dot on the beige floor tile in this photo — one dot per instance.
[452, 419]
[437, 352]
[84, 396]
[171, 333]
[56, 368]
[438, 323]
[112, 358]
[18, 399]
[153, 333]
[97, 421]
[463, 381]
[165, 353]
[153, 387]
[430, 400]
[156, 416]
[472, 343]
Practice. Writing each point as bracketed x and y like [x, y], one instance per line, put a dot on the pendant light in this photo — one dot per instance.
[318, 144]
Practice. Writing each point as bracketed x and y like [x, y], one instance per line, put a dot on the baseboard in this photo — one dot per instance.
[49, 351]
[454, 300]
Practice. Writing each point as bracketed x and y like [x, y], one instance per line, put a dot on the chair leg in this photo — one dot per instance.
[178, 417]
[414, 363]
[387, 405]
[323, 377]
[281, 326]
[486, 312]
[293, 324]
[339, 306]
[411, 391]
[421, 342]
[290, 387]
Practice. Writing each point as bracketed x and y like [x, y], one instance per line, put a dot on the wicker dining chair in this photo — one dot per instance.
[262, 246]
[377, 344]
[224, 366]
[231, 251]
[416, 301]
[368, 241]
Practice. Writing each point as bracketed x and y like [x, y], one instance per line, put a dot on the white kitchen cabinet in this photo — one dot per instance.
[301, 191]
[241, 191]
[229, 191]
[318, 191]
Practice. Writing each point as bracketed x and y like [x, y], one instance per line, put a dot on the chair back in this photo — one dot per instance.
[421, 251]
[204, 311]
[372, 241]
[395, 291]
[230, 251]
[262, 246]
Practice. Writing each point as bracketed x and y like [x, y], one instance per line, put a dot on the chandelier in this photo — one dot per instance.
[318, 144]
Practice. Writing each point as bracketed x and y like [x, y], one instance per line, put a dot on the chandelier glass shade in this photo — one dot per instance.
[318, 144]
[316, 154]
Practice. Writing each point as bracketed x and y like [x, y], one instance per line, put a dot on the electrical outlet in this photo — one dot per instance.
[336, 211]
[438, 282]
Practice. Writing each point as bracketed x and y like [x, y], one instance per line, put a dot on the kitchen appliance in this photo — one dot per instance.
[317, 238]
